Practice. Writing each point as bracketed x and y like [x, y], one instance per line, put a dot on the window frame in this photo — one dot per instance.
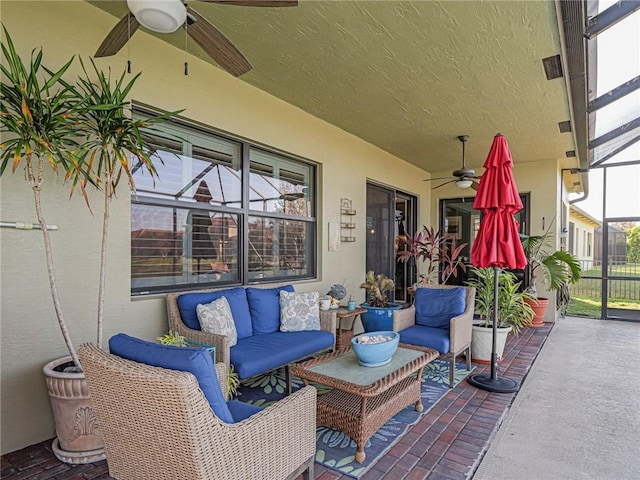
[244, 213]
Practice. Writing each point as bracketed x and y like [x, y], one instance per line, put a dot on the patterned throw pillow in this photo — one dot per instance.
[215, 317]
[299, 311]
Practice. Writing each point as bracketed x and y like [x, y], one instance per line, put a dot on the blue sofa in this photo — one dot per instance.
[261, 345]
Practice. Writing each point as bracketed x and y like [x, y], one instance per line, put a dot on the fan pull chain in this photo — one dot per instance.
[129, 45]
[186, 44]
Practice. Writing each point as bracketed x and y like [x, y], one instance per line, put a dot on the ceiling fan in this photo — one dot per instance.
[166, 16]
[463, 177]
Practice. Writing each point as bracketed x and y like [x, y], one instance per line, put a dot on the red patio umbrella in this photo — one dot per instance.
[497, 244]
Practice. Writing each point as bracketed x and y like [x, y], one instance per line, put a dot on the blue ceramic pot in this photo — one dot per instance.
[377, 319]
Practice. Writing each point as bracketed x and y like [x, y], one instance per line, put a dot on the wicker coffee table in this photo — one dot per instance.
[363, 399]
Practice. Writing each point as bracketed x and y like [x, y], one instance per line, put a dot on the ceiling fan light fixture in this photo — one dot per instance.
[162, 16]
[464, 183]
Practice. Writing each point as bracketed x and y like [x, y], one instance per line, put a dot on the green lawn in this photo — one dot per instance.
[591, 306]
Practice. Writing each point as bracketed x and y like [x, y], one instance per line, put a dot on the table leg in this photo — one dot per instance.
[419, 406]
[360, 455]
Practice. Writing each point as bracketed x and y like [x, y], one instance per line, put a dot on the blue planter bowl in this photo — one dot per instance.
[377, 319]
[375, 354]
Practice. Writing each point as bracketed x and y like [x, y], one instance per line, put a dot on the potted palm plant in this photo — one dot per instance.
[440, 255]
[83, 132]
[513, 311]
[379, 314]
[558, 269]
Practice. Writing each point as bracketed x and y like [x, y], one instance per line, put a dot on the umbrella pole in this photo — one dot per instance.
[494, 325]
[491, 382]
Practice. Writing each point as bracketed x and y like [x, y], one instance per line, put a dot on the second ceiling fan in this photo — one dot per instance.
[463, 177]
[166, 16]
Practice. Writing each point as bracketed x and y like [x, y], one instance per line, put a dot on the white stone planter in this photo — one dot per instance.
[78, 439]
[482, 340]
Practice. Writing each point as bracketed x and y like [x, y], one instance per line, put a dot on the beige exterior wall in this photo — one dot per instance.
[30, 334]
[583, 238]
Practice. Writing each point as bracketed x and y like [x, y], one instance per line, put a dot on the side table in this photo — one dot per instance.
[344, 328]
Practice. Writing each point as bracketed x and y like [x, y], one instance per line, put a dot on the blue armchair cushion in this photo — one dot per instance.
[237, 299]
[430, 337]
[264, 305]
[261, 353]
[196, 361]
[435, 307]
[241, 410]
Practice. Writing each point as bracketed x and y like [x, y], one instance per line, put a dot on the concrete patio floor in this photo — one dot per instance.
[535, 434]
[577, 415]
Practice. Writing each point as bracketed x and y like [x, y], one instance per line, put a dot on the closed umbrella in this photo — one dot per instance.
[497, 244]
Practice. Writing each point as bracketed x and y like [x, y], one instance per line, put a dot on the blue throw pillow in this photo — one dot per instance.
[436, 306]
[237, 299]
[186, 359]
[264, 305]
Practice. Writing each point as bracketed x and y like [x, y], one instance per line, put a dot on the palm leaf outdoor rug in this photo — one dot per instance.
[335, 449]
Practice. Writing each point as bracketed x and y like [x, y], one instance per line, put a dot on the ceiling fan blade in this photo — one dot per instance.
[475, 185]
[118, 36]
[439, 178]
[216, 45]
[443, 184]
[257, 3]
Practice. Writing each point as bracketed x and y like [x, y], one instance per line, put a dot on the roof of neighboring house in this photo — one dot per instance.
[583, 216]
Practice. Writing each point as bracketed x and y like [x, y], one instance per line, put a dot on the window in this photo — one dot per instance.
[221, 212]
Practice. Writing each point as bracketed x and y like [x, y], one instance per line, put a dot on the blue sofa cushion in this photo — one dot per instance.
[430, 337]
[264, 305]
[187, 359]
[435, 307]
[237, 299]
[261, 353]
[241, 410]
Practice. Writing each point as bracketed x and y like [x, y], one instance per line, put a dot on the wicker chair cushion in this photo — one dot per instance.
[237, 299]
[431, 337]
[299, 311]
[261, 353]
[436, 306]
[215, 317]
[241, 411]
[196, 361]
[264, 305]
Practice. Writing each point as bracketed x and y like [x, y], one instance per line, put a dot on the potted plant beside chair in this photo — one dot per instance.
[559, 269]
[379, 314]
[513, 311]
[441, 256]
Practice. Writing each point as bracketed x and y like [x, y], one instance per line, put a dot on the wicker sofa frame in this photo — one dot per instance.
[460, 328]
[157, 425]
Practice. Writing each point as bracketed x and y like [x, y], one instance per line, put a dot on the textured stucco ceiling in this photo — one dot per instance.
[408, 77]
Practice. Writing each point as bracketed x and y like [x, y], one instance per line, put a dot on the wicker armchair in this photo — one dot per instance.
[221, 342]
[460, 328]
[157, 424]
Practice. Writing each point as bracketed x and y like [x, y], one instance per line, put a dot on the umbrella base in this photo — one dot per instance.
[499, 384]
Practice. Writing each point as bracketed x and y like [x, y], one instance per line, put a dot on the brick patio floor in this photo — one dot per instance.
[446, 444]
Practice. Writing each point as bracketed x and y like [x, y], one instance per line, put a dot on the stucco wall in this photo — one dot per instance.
[30, 335]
